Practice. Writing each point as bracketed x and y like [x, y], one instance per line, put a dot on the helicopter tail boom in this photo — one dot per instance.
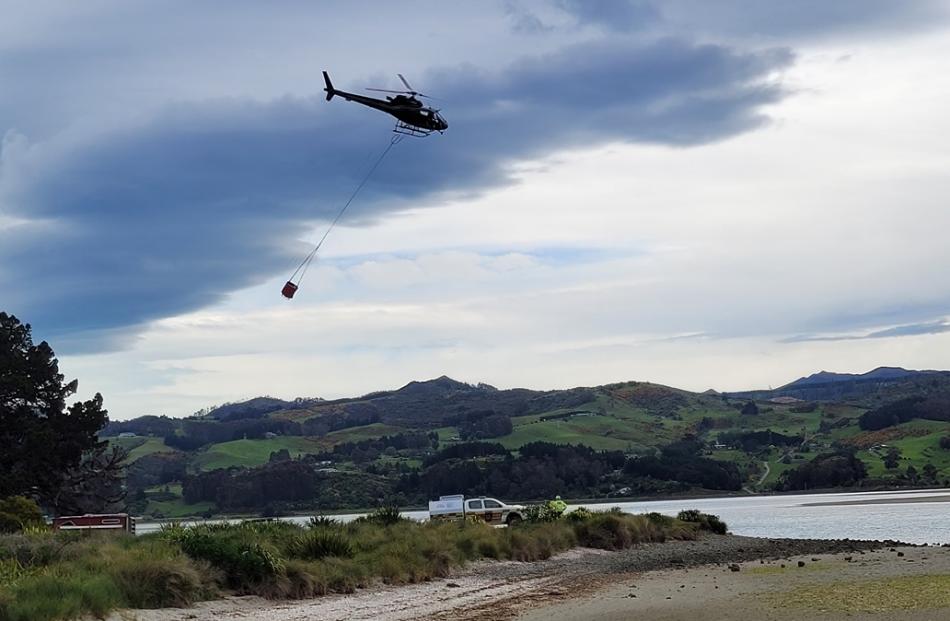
[329, 89]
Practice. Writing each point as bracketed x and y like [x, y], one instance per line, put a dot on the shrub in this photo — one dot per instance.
[320, 543]
[11, 571]
[17, 513]
[158, 582]
[50, 596]
[660, 520]
[706, 521]
[385, 516]
[322, 521]
[539, 542]
[36, 550]
[579, 514]
[614, 530]
[537, 514]
[245, 557]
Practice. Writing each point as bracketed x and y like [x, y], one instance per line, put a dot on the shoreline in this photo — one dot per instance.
[142, 520]
[505, 589]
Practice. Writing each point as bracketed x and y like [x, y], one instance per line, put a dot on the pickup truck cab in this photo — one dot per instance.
[490, 510]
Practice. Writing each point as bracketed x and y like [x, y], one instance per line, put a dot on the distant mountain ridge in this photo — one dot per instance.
[443, 400]
[880, 373]
[826, 385]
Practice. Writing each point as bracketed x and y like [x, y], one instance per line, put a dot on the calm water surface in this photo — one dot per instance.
[913, 520]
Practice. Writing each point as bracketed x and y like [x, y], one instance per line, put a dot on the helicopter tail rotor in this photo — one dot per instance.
[329, 89]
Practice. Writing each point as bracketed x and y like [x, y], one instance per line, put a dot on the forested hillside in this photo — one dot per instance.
[443, 436]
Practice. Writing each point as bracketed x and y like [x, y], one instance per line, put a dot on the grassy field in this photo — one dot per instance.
[355, 434]
[141, 446]
[919, 447]
[176, 509]
[250, 453]
[173, 508]
[599, 432]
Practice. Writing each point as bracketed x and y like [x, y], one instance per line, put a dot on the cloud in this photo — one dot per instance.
[622, 15]
[755, 19]
[915, 329]
[172, 214]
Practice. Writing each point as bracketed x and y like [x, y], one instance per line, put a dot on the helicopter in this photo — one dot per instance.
[412, 118]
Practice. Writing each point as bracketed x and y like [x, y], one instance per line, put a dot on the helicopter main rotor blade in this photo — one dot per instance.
[385, 90]
[404, 81]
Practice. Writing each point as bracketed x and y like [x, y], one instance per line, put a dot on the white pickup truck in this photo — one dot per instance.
[488, 509]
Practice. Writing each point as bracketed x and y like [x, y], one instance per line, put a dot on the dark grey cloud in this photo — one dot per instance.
[755, 18]
[523, 20]
[915, 329]
[618, 15]
[209, 197]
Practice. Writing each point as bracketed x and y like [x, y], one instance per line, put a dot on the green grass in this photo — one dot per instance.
[598, 432]
[410, 462]
[883, 595]
[776, 468]
[176, 509]
[140, 446]
[448, 435]
[152, 445]
[173, 488]
[355, 434]
[250, 453]
[914, 450]
[69, 577]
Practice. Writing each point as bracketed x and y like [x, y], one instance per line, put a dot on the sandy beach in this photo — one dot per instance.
[673, 580]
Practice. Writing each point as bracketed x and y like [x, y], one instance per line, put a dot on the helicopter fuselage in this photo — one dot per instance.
[409, 110]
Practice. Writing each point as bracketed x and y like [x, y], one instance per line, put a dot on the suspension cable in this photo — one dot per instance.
[305, 264]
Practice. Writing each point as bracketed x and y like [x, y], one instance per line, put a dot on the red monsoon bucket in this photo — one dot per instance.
[289, 290]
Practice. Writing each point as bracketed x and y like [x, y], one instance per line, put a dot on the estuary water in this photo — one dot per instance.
[918, 516]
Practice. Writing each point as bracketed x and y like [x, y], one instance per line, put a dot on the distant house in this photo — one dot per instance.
[270, 435]
[127, 434]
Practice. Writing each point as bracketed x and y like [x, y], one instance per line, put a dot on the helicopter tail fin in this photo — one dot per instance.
[329, 89]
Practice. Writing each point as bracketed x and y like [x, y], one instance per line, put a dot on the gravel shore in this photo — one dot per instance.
[490, 591]
[909, 584]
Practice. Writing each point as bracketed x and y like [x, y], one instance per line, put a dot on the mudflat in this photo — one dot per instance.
[880, 501]
[903, 583]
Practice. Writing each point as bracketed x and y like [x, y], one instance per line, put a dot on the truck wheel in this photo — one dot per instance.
[513, 519]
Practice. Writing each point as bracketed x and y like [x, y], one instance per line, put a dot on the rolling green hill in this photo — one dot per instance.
[376, 433]
[250, 453]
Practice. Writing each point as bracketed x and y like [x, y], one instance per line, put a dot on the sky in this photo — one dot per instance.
[722, 195]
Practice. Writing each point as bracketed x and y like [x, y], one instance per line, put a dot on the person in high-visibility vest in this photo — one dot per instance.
[557, 506]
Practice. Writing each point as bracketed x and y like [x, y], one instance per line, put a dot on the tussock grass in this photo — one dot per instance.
[48, 576]
[58, 596]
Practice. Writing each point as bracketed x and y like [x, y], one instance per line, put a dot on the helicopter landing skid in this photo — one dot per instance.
[410, 130]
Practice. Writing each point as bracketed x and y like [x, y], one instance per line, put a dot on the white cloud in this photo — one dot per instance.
[596, 265]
